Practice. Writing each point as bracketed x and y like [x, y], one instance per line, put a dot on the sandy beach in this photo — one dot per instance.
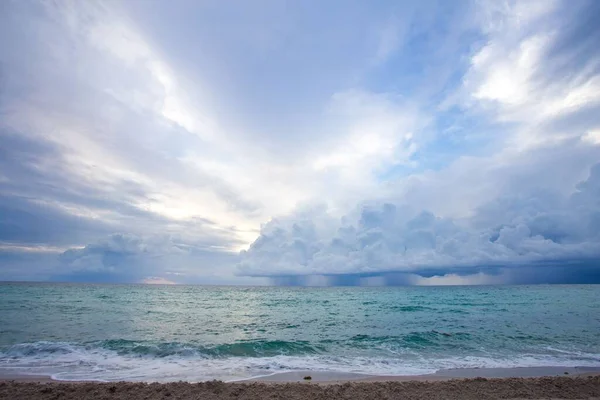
[583, 384]
[472, 388]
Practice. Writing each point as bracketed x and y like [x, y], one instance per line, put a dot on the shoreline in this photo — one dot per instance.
[332, 377]
[441, 375]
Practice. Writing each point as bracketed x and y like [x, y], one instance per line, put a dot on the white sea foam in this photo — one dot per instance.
[65, 361]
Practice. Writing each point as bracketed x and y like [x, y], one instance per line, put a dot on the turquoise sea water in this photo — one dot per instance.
[165, 333]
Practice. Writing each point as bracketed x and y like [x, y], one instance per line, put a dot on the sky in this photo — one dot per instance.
[300, 142]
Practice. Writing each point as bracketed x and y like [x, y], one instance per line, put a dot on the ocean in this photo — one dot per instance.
[196, 333]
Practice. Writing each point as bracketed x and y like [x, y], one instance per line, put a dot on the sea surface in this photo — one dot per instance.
[195, 333]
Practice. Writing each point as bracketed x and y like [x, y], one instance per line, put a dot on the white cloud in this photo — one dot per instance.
[592, 136]
[136, 129]
[378, 130]
[163, 127]
[507, 79]
[126, 132]
[20, 248]
[536, 225]
[509, 75]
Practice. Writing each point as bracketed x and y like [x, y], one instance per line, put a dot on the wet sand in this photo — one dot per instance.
[445, 374]
[581, 383]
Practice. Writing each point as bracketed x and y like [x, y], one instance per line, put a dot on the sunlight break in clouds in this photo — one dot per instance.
[397, 143]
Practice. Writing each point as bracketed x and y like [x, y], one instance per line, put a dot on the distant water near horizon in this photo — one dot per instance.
[195, 333]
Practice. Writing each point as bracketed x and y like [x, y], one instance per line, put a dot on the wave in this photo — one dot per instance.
[419, 343]
[415, 340]
[248, 348]
[123, 347]
[242, 348]
[120, 359]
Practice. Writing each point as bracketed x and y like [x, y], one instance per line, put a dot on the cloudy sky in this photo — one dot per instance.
[302, 142]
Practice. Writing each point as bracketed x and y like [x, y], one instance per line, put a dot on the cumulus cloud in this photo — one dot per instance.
[383, 238]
